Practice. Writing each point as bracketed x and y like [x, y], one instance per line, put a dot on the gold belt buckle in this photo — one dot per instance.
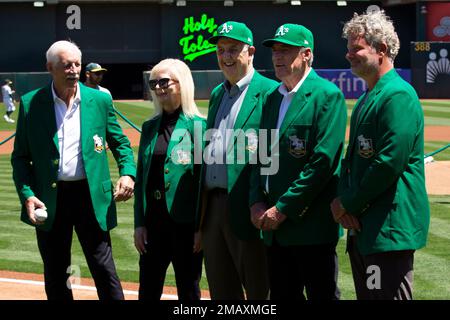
[157, 194]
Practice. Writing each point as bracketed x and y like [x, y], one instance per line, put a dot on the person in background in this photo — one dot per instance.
[8, 101]
[94, 76]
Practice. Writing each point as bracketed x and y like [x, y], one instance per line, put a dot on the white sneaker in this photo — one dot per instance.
[11, 120]
[6, 118]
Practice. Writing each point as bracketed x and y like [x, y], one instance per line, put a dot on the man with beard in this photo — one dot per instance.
[94, 76]
[382, 197]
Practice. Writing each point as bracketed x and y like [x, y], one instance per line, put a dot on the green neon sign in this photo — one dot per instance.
[195, 44]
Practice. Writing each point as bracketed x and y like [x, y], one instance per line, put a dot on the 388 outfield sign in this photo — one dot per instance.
[430, 66]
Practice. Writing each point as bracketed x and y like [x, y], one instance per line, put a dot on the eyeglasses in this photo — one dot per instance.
[163, 83]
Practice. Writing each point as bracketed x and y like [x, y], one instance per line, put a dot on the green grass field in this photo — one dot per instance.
[437, 112]
[19, 252]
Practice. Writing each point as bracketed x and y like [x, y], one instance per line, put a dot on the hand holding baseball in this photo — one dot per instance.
[31, 204]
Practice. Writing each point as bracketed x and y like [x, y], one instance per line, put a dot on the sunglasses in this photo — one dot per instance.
[163, 83]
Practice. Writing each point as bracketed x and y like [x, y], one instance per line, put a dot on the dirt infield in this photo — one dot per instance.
[29, 286]
[437, 177]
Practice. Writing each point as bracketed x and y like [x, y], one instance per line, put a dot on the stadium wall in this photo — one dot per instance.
[130, 38]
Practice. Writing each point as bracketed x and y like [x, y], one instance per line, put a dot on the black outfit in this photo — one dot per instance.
[310, 268]
[55, 245]
[167, 240]
[396, 273]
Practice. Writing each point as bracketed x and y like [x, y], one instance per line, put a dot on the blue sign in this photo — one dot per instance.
[352, 86]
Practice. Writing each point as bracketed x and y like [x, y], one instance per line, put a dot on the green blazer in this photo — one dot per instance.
[238, 167]
[35, 158]
[383, 180]
[181, 174]
[310, 145]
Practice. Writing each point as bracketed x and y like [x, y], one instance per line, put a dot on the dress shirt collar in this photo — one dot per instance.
[284, 90]
[77, 95]
[241, 85]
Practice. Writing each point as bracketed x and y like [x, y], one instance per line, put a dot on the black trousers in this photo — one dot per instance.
[168, 241]
[293, 269]
[74, 209]
[235, 269]
[382, 276]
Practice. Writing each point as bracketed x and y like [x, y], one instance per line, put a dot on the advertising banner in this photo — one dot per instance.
[430, 68]
[352, 86]
[438, 21]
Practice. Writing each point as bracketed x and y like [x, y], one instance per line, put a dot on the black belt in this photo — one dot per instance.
[218, 191]
[157, 194]
[69, 184]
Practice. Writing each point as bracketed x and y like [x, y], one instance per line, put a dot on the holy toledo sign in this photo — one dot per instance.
[194, 42]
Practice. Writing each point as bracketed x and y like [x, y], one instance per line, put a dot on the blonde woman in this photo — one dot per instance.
[166, 184]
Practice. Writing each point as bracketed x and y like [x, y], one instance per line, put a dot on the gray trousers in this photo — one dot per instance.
[231, 265]
[382, 276]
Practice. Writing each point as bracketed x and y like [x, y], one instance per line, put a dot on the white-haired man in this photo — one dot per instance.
[382, 197]
[60, 164]
[291, 205]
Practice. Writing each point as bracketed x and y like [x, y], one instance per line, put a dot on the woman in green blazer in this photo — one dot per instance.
[167, 183]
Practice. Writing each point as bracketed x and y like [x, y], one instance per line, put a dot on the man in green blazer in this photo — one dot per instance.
[60, 165]
[234, 253]
[382, 197]
[291, 204]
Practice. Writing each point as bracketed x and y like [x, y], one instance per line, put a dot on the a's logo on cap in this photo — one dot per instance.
[306, 42]
[226, 28]
[281, 31]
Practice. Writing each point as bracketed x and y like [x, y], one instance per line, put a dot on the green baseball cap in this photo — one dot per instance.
[234, 30]
[292, 34]
[94, 67]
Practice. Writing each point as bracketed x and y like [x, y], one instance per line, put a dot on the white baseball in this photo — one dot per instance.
[40, 214]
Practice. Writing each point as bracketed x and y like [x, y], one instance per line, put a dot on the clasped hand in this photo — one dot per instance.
[343, 217]
[124, 189]
[266, 219]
